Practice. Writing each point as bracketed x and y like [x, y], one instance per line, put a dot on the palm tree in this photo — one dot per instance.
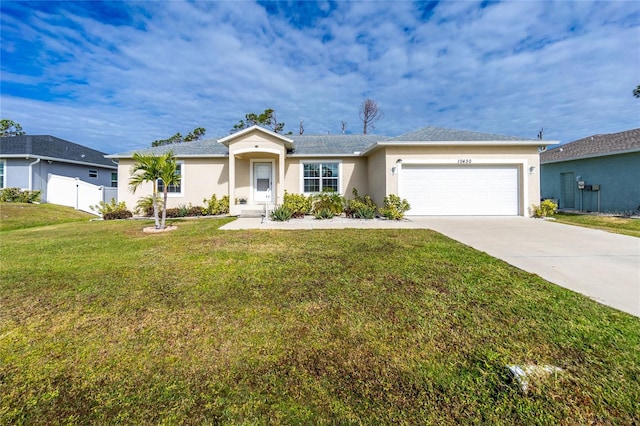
[150, 168]
[169, 176]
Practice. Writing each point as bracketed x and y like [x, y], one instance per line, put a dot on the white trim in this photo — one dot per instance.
[224, 141]
[320, 161]
[274, 191]
[60, 160]
[254, 150]
[458, 143]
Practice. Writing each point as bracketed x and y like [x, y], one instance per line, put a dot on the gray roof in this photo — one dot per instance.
[50, 147]
[333, 144]
[201, 148]
[329, 144]
[438, 134]
[594, 146]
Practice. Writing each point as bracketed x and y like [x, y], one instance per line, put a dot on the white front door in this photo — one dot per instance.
[262, 182]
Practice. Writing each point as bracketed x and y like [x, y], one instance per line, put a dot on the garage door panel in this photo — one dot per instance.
[468, 190]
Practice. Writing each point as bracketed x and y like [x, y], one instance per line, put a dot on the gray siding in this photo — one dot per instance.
[17, 174]
[617, 175]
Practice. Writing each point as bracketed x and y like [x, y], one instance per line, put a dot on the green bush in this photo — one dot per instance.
[298, 204]
[323, 213]
[394, 208]
[214, 207]
[546, 209]
[360, 207]
[17, 195]
[145, 205]
[112, 210]
[281, 214]
[328, 200]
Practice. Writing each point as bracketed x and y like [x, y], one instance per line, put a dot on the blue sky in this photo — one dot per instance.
[117, 75]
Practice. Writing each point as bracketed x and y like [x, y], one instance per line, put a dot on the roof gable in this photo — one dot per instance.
[594, 146]
[51, 147]
[288, 143]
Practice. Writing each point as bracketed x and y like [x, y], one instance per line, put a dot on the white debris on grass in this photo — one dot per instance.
[525, 374]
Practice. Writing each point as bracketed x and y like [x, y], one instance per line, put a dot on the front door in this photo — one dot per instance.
[262, 182]
[568, 195]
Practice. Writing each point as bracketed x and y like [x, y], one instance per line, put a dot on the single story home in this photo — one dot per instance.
[599, 173]
[26, 161]
[439, 171]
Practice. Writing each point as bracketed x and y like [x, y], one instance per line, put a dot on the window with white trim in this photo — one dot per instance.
[172, 189]
[2, 168]
[93, 173]
[320, 176]
[114, 179]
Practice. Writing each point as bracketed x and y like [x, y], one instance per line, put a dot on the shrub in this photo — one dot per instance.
[16, 195]
[323, 213]
[360, 207]
[547, 208]
[297, 203]
[328, 200]
[281, 214]
[173, 212]
[112, 210]
[214, 207]
[145, 205]
[394, 208]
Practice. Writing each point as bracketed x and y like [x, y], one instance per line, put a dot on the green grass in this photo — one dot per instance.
[21, 215]
[103, 324]
[619, 225]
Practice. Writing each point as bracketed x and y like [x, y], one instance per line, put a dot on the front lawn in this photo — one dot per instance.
[619, 225]
[103, 324]
[23, 215]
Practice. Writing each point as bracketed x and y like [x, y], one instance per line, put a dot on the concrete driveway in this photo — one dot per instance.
[598, 264]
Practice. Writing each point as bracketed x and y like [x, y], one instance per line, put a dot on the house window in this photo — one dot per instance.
[172, 189]
[321, 176]
[114, 179]
[2, 166]
[93, 173]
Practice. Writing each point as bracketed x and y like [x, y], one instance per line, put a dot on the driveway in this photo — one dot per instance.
[598, 264]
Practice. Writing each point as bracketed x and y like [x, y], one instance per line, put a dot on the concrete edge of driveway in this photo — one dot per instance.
[312, 223]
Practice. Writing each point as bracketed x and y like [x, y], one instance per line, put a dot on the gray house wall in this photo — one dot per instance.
[618, 177]
[17, 174]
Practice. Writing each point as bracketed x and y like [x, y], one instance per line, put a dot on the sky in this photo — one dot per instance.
[116, 76]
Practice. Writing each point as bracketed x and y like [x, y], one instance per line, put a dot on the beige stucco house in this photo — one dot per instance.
[439, 171]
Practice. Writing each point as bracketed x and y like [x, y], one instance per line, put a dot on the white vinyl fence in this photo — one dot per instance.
[76, 193]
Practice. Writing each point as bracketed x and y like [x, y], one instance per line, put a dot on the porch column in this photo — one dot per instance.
[232, 182]
[280, 195]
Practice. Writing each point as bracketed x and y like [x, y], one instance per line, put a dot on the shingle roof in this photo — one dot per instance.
[594, 146]
[433, 134]
[51, 147]
[333, 144]
[205, 147]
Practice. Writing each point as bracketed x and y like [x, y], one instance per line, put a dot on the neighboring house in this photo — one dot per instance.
[26, 162]
[439, 171]
[596, 173]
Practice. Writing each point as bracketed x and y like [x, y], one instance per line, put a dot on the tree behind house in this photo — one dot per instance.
[369, 114]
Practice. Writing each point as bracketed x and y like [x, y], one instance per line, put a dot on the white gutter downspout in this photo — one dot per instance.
[31, 173]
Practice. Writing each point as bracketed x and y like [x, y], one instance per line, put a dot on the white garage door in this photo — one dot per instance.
[460, 190]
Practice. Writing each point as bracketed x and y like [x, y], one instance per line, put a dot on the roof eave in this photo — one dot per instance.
[585, 157]
[225, 141]
[460, 143]
[59, 160]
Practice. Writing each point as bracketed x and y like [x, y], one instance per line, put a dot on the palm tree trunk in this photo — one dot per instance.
[155, 205]
[164, 210]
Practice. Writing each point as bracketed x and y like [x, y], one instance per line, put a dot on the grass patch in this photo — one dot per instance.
[103, 324]
[22, 215]
[618, 225]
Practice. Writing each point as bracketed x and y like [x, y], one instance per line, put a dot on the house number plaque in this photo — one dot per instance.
[464, 161]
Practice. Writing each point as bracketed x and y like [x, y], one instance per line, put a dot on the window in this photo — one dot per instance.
[172, 189]
[2, 163]
[93, 173]
[114, 179]
[318, 177]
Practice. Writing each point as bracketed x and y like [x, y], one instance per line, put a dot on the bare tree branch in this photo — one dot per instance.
[369, 114]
